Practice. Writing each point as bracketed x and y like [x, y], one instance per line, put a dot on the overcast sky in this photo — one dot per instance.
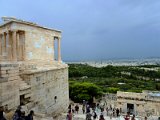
[96, 29]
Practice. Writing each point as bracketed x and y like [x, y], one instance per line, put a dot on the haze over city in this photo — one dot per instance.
[96, 30]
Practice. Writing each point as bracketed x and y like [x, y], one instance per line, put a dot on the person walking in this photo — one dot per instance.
[101, 117]
[2, 117]
[107, 110]
[110, 113]
[69, 115]
[88, 116]
[77, 108]
[117, 112]
[127, 117]
[94, 115]
[83, 109]
[30, 115]
[133, 117]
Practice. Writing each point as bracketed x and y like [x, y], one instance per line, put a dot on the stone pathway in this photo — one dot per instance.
[81, 116]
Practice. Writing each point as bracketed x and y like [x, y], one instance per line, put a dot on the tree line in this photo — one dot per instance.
[87, 82]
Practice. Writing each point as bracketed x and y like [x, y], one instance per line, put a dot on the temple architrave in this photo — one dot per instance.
[32, 73]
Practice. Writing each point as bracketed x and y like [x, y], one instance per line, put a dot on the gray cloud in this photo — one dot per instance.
[99, 29]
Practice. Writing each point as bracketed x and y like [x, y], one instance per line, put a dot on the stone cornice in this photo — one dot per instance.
[28, 23]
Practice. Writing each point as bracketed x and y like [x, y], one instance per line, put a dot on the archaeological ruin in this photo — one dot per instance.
[32, 73]
[142, 104]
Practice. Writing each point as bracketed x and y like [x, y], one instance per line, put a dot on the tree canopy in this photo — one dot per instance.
[84, 91]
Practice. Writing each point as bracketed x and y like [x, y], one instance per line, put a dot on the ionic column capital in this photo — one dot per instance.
[59, 37]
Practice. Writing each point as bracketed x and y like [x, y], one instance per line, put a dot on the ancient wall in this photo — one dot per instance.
[9, 85]
[42, 89]
[49, 90]
[22, 42]
[143, 104]
[29, 74]
[39, 43]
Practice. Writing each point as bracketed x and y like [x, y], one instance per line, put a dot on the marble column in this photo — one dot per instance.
[3, 46]
[0, 47]
[23, 47]
[14, 48]
[7, 46]
[59, 50]
[17, 47]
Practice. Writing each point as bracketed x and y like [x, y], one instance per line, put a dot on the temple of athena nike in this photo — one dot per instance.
[32, 73]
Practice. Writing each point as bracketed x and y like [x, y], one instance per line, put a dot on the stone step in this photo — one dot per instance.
[23, 85]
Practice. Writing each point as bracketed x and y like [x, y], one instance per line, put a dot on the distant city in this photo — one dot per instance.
[120, 62]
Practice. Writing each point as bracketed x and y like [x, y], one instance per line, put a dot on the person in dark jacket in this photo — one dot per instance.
[2, 114]
[30, 115]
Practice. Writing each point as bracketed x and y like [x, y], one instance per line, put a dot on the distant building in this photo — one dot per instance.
[142, 104]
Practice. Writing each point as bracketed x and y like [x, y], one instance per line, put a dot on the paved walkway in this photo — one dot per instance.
[81, 116]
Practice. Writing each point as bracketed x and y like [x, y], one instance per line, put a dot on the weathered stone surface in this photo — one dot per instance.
[29, 75]
[144, 103]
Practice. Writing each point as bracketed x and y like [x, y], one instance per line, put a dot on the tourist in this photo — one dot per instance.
[77, 108]
[94, 115]
[87, 109]
[127, 117]
[117, 112]
[17, 114]
[30, 115]
[88, 116]
[2, 115]
[83, 109]
[69, 107]
[107, 110]
[120, 110]
[133, 117]
[101, 117]
[110, 107]
[102, 108]
[69, 115]
[110, 113]
[145, 118]
[114, 112]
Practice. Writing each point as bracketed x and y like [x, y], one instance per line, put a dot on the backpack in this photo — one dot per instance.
[95, 115]
[15, 116]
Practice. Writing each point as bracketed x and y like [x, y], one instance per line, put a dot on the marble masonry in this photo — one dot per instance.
[32, 73]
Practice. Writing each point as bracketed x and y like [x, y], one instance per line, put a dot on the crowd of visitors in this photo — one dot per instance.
[98, 112]
[18, 115]
[90, 112]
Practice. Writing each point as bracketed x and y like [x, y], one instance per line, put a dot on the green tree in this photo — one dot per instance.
[84, 91]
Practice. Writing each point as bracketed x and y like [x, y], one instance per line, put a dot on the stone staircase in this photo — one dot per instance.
[24, 88]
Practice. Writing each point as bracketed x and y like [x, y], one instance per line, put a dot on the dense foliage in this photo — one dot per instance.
[79, 70]
[84, 78]
[83, 91]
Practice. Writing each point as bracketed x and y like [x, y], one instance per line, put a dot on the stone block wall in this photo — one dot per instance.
[143, 104]
[50, 93]
[39, 42]
[29, 74]
[9, 85]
